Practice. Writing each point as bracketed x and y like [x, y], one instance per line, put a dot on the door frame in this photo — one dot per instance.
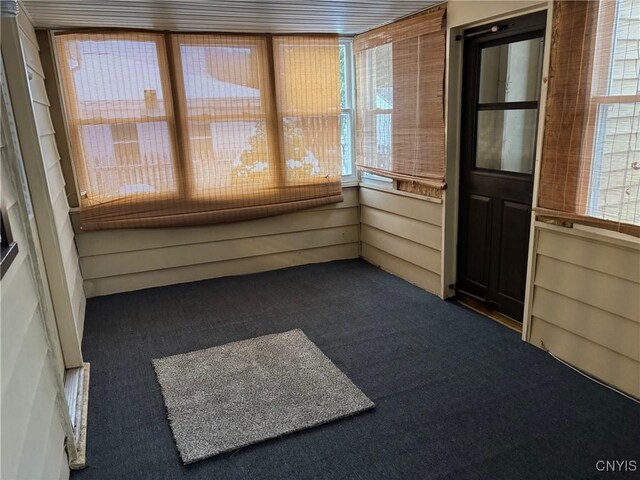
[453, 115]
[54, 356]
[515, 185]
[49, 243]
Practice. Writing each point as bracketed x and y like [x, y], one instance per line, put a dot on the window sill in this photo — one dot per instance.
[389, 187]
[9, 254]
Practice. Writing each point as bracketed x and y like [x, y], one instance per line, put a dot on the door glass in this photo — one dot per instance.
[506, 140]
[511, 72]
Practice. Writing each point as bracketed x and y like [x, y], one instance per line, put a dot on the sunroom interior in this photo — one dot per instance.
[437, 202]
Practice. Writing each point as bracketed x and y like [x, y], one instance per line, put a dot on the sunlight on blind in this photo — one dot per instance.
[227, 154]
[400, 107]
[118, 106]
[308, 93]
[225, 87]
[591, 153]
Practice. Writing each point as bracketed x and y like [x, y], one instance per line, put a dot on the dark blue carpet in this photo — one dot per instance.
[458, 396]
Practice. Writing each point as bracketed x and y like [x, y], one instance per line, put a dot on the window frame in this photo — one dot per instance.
[600, 83]
[370, 178]
[176, 40]
[173, 88]
[85, 174]
[349, 108]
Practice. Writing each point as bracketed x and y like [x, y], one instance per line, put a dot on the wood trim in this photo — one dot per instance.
[277, 143]
[82, 174]
[478, 307]
[18, 84]
[567, 219]
[435, 181]
[171, 60]
[14, 75]
[56, 109]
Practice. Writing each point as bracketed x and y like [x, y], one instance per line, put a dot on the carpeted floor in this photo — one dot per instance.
[457, 395]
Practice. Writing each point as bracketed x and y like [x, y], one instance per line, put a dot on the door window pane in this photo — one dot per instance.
[511, 72]
[506, 140]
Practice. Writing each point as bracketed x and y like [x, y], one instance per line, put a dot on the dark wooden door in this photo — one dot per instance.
[501, 87]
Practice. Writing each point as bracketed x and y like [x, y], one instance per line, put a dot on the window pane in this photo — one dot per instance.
[381, 62]
[623, 67]
[614, 192]
[506, 140]
[113, 87]
[375, 106]
[308, 86]
[345, 143]
[224, 87]
[383, 140]
[511, 72]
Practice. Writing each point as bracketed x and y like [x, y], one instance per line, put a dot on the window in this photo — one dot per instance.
[310, 121]
[8, 248]
[614, 183]
[116, 86]
[590, 158]
[347, 115]
[400, 120]
[225, 107]
[377, 105]
[184, 129]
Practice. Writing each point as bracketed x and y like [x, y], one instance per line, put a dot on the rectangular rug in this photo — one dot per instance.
[226, 397]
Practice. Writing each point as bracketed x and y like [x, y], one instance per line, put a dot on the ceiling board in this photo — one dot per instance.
[346, 17]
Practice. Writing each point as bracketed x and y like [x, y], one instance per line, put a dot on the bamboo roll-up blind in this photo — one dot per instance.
[590, 170]
[400, 99]
[308, 95]
[120, 116]
[175, 130]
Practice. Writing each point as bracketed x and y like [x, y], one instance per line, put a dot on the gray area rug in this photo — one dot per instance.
[245, 392]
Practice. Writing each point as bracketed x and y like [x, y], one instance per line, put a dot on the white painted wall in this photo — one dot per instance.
[39, 146]
[586, 302]
[402, 234]
[115, 261]
[31, 430]
[468, 12]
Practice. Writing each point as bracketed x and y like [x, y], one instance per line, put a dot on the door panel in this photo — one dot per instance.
[477, 253]
[513, 251]
[501, 89]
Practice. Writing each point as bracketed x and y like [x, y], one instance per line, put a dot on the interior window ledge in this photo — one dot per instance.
[389, 187]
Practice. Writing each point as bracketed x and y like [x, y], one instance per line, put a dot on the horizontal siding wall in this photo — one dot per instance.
[55, 179]
[403, 235]
[124, 260]
[586, 303]
[32, 433]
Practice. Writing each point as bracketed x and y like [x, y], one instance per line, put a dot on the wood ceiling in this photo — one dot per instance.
[346, 17]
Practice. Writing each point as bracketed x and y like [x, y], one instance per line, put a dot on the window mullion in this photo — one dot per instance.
[179, 115]
[273, 118]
